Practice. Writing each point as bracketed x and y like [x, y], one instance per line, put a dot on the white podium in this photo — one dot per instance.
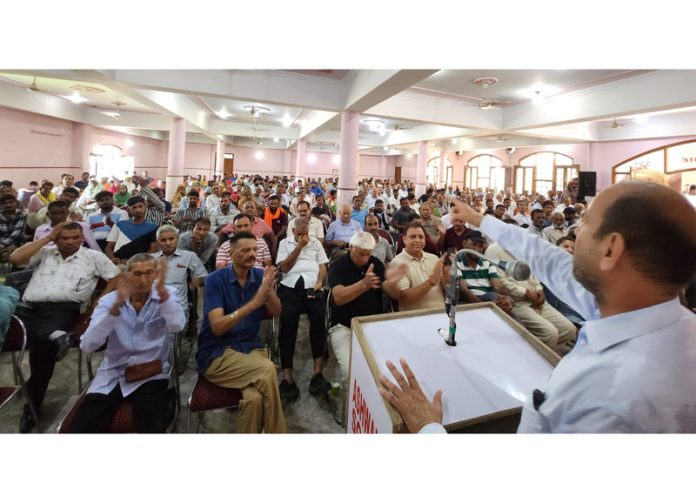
[485, 378]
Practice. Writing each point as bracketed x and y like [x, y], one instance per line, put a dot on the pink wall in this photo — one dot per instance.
[33, 146]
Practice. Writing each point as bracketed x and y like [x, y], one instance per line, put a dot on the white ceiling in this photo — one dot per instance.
[440, 107]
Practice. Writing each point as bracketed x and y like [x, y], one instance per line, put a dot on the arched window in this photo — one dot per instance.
[544, 171]
[432, 171]
[676, 163]
[108, 160]
[485, 171]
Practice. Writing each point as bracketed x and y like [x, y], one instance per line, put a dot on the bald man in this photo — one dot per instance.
[632, 367]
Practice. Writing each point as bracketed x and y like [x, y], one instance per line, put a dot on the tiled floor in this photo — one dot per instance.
[308, 414]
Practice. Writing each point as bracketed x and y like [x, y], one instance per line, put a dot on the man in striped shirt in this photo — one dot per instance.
[242, 223]
[480, 279]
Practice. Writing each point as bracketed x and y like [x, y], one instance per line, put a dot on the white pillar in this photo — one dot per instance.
[421, 164]
[348, 169]
[175, 159]
[300, 161]
[220, 159]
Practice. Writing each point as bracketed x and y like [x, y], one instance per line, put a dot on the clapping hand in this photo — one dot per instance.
[124, 289]
[371, 280]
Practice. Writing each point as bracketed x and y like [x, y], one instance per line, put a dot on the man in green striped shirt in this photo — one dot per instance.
[480, 279]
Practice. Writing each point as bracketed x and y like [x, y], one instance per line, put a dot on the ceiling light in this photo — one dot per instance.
[258, 155]
[75, 98]
[286, 120]
[224, 114]
[455, 141]
[386, 149]
[641, 119]
[276, 140]
[113, 115]
[537, 97]
[375, 125]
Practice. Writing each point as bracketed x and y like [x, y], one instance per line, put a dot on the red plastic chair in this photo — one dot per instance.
[16, 341]
[206, 396]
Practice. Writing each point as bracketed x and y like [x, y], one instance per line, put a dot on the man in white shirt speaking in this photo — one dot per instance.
[631, 370]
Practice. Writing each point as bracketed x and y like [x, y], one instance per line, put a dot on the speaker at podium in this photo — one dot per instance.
[485, 378]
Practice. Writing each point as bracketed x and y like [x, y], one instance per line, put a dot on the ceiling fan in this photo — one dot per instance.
[486, 103]
[616, 124]
[34, 88]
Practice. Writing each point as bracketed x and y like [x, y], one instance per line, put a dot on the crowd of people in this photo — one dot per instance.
[254, 247]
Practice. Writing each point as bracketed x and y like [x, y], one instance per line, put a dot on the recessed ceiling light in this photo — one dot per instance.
[224, 114]
[455, 141]
[386, 149]
[375, 125]
[286, 120]
[75, 98]
[276, 140]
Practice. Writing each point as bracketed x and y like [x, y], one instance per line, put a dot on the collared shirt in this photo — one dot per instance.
[180, 262]
[97, 222]
[359, 215]
[522, 219]
[535, 231]
[212, 202]
[262, 253]
[12, 228]
[316, 228]
[338, 231]
[631, 372]
[223, 290]
[431, 227]
[553, 234]
[67, 280]
[383, 250]
[133, 338]
[515, 288]
[46, 229]
[218, 218]
[259, 228]
[207, 247]
[401, 215]
[307, 263]
[478, 279]
[419, 271]
[193, 213]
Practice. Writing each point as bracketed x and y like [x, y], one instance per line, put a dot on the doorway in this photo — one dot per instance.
[397, 173]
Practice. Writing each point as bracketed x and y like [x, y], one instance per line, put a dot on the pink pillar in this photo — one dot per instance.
[348, 169]
[300, 161]
[421, 164]
[443, 169]
[81, 148]
[175, 160]
[287, 162]
[383, 167]
[220, 158]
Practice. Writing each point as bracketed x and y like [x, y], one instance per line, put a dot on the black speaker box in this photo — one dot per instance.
[587, 184]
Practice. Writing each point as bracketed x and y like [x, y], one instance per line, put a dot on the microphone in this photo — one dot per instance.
[516, 269]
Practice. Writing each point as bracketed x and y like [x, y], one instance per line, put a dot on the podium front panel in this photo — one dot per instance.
[494, 367]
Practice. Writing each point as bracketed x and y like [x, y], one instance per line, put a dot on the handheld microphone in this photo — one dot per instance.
[516, 269]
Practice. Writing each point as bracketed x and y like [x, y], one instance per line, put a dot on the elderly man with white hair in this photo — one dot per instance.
[356, 280]
[557, 230]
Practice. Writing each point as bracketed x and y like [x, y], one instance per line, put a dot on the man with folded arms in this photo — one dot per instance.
[139, 321]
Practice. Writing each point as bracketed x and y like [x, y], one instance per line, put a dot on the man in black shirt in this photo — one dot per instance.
[400, 216]
[356, 280]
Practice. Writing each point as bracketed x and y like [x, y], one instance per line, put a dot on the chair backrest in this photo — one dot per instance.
[386, 235]
[16, 337]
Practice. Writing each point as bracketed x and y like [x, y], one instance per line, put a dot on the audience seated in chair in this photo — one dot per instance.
[302, 260]
[531, 309]
[12, 226]
[63, 281]
[422, 285]
[242, 223]
[357, 281]
[382, 249]
[230, 352]
[138, 323]
[340, 231]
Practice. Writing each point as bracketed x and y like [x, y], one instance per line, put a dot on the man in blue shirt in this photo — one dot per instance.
[632, 367]
[230, 351]
[139, 320]
[359, 214]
